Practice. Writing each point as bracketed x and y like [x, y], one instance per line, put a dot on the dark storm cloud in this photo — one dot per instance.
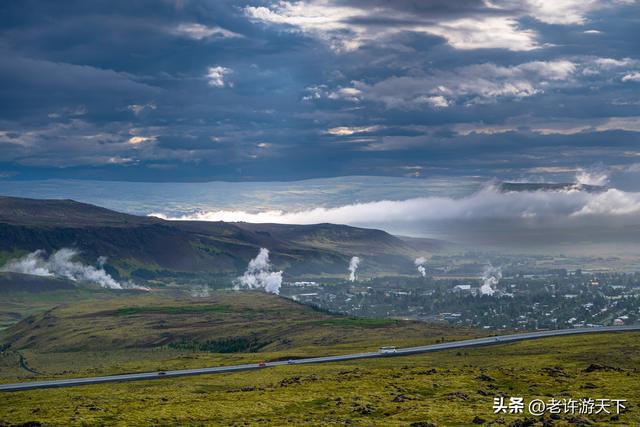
[198, 90]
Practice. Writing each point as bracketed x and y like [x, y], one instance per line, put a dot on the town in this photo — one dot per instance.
[552, 299]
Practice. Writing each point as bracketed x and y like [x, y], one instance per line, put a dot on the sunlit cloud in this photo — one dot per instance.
[140, 108]
[135, 140]
[351, 130]
[342, 28]
[497, 32]
[632, 77]
[470, 84]
[217, 76]
[198, 31]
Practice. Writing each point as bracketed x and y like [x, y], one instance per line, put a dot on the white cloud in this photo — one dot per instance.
[594, 66]
[629, 124]
[437, 101]
[135, 140]
[552, 169]
[348, 27]
[337, 25]
[557, 126]
[140, 108]
[612, 202]
[560, 69]
[392, 143]
[613, 62]
[484, 32]
[198, 31]
[484, 129]
[575, 126]
[632, 77]
[320, 19]
[542, 210]
[84, 144]
[558, 12]
[472, 84]
[588, 177]
[565, 12]
[351, 94]
[561, 128]
[480, 83]
[217, 76]
[348, 93]
[350, 130]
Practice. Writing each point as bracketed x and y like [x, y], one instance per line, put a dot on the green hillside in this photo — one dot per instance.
[149, 248]
[169, 330]
[225, 321]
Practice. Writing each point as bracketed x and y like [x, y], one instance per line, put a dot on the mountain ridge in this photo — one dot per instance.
[134, 243]
[507, 187]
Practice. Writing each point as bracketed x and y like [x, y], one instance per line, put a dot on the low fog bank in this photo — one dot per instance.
[490, 216]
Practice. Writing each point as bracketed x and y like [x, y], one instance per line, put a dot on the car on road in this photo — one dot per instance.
[262, 364]
[162, 373]
[290, 362]
[387, 350]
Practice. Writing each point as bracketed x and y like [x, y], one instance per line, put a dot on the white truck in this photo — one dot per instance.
[387, 350]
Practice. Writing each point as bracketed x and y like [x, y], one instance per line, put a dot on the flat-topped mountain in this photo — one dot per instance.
[63, 213]
[535, 186]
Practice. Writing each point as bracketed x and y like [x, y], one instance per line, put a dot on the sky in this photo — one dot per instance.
[256, 90]
[401, 115]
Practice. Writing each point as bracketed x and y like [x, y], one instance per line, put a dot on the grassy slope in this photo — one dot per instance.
[390, 391]
[132, 333]
[24, 295]
[441, 388]
[153, 320]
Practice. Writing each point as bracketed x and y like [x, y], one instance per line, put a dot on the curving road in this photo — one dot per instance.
[252, 366]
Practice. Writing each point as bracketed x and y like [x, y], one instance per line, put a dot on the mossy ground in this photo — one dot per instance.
[448, 388]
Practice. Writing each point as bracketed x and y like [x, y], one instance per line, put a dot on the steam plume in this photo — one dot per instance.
[61, 264]
[259, 275]
[594, 177]
[200, 292]
[419, 262]
[353, 267]
[490, 279]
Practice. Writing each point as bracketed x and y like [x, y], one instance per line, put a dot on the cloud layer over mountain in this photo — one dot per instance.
[489, 216]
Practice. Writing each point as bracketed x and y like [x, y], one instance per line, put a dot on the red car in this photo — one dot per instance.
[262, 364]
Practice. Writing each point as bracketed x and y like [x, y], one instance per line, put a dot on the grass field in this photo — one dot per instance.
[447, 388]
[15, 306]
[112, 335]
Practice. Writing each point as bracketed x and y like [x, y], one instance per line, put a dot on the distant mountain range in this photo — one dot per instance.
[146, 247]
[530, 186]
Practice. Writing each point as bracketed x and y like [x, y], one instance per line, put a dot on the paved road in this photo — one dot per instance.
[253, 366]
